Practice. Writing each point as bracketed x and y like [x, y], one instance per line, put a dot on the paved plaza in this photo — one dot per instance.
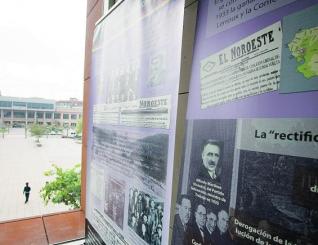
[22, 161]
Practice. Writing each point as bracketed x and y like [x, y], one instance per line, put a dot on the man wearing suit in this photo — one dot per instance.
[211, 156]
[222, 235]
[210, 226]
[181, 220]
[26, 192]
[196, 234]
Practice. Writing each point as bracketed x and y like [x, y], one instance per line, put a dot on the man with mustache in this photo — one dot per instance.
[211, 155]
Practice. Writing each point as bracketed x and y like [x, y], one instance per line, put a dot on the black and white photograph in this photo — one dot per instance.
[145, 214]
[202, 210]
[122, 85]
[283, 194]
[200, 225]
[152, 152]
[210, 163]
[115, 200]
[181, 219]
[136, 152]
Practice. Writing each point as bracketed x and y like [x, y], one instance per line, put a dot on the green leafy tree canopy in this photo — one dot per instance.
[65, 186]
[3, 130]
[79, 126]
[37, 131]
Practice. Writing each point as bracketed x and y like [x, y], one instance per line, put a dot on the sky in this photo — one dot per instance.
[42, 45]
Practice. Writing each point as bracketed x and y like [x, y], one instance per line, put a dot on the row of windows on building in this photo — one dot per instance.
[27, 105]
[40, 115]
[65, 125]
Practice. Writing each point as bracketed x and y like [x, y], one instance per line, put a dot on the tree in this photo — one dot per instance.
[67, 128]
[37, 131]
[64, 188]
[3, 130]
[79, 126]
[54, 128]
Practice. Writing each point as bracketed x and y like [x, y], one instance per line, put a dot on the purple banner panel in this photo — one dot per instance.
[269, 104]
[132, 121]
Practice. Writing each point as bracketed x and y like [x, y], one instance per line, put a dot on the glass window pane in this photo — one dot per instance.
[39, 114]
[7, 114]
[48, 115]
[18, 114]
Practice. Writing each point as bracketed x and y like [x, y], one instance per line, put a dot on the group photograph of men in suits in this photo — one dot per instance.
[200, 226]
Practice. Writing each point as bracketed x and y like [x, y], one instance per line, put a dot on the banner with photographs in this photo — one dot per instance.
[128, 178]
[249, 181]
[205, 185]
[132, 113]
[250, 162]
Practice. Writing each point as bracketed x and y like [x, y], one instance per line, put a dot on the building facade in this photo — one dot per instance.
[19, 112]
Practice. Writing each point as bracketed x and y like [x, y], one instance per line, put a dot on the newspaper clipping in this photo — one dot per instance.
[249, 67]
[146, 112]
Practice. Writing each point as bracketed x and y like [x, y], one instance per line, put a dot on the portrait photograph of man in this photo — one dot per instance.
[209, 160]
[205, 185]
[211, 167]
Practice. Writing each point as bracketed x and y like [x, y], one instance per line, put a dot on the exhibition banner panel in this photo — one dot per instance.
[250, 164]
[253, 61]
[249, 181]
[133, 104]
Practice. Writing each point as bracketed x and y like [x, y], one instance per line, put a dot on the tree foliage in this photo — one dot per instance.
[64, 188]
[3, 130]
[37, 131]
[79, 126]
[54, 127]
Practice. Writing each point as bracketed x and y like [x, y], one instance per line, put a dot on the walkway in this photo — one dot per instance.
[22, 161]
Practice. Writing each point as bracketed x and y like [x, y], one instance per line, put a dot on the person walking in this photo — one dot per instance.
[26, 192]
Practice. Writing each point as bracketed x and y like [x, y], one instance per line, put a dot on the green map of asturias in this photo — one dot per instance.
[304, 48]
